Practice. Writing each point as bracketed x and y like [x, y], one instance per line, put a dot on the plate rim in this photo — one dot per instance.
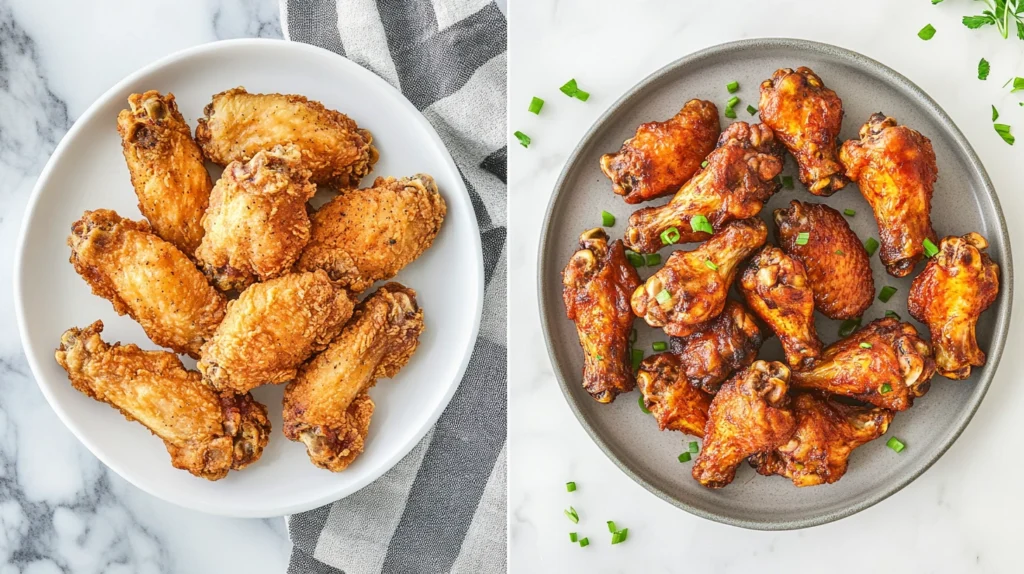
[892, 78]
[34, 361]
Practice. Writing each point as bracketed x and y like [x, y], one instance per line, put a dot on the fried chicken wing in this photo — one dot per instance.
[663, 155]
[885, 364]
[596, 285]
[146, 278]
[718, 348]
[806, 117]
[955, 288]
[167, 168]
[739, 178]
[272, 328]
[326, 407]
[692, 286]
[776, 288]
[363, 236]
[257, 224]
[750, 414]
[206, 433]
[894, 166]
[837, 265]
[826, 433]
[238, 124]
[674, 402]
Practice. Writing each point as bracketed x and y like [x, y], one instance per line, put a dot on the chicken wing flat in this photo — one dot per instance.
[718, 348]
[776, 288]
[596, 285]
[837, 265]
[368, 235]
[885, 364]
[271, 329]
[206, 433]
[674, 402]
[806, 117]
[894, 166]
[146, 278]
[257, 223]
[238, 124]
[692, 286]
[167, 168]
[826, 434]
[327, 407]
[750, 414]
[663, 155]
[955, 288]
[739, 178]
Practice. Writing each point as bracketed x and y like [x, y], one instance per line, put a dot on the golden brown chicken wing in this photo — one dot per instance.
[663, 155]
[206, 433]
[257, 223]
[272, 328]
[806, 117]
[692, 286]
[718, 348]
[326, 407]
[367, 235]
[776, 288]
[239, 124]
[837, 265]
[750, 414]
[596, 285]
[146, 278]
[166, 167]
[739, 178]
[826, 433]
[894, 166]
[885, 364]
[674, 402]
[956, 286]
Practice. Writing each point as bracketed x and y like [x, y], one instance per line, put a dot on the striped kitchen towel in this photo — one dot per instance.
[442, 508]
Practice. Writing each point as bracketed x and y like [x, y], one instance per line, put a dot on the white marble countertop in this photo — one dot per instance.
[963, 515]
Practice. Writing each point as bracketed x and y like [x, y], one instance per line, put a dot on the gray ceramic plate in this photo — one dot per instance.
[964, 201]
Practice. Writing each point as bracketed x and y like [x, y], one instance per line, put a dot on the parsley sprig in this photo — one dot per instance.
[1003, 14]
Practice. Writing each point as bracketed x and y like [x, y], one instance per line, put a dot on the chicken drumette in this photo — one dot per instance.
[718, 348]
[668, 394]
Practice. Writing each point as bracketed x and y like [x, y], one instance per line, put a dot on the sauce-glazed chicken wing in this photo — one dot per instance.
[663, 155]
[806, 117]
[894, 166]
[739, 178]
[674, 402]
[956, 287]
[597, 284]
[718, 348]
[206, 433]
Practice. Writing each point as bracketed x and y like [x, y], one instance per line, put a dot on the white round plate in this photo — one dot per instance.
[88, 171]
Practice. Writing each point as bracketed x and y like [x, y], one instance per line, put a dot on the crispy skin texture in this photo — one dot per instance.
[238, 124]
[596, 285]
[674, 402]
[206, 433]
[146, 278]
[367, 235]
[663, 155]
[327, 407]
[894, 166]
[167, 168]
[739, 178]
[272, 328]
[776, 288]
[697, 291]
[826, 433]
[955, 288]
[896, 356]
[750, 414]
[718, 348]
[257, 223]
[835, 260]
[806, 117]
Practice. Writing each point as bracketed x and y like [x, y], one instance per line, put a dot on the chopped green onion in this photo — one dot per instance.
[895, 444]
[802, 238]
[995, 113]
[607, 219]
[1018, 85]
[571, 514]
[886, 388]
[849, 212]
[848, 327]
[659, 346]
[929, 248]
[620, 536]
[635, 259]
[840, 252]
[983, 69]
[730, 113]
[787, 181]
[652, 259]
[600, 358]
[570, 486]
[705, 162]
[524, 140]
[535, 105]
[751, 110]
[611, 527]
[1004, 132]
[934, 2]
[871, 245]
[733, 87]
[865, 345]
[670, 236]
[685, 457]
[700, 223]
[886, 293]
[926, 33]
[694, 447]
[636, 357]
[584, 542]
[573, 91]
[572, 537]
[632, 336]
[663, 296]
[732, 102]
[893, 315]
[710, 265]
[581, 95]
[643, 406]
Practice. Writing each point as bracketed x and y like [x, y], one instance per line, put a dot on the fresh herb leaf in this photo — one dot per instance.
[975, 22]
[1018, 85]
[983, 69]
[927, 33]
[1004, 132]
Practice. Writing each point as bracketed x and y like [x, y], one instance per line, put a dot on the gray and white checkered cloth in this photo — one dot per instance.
[442, 508]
